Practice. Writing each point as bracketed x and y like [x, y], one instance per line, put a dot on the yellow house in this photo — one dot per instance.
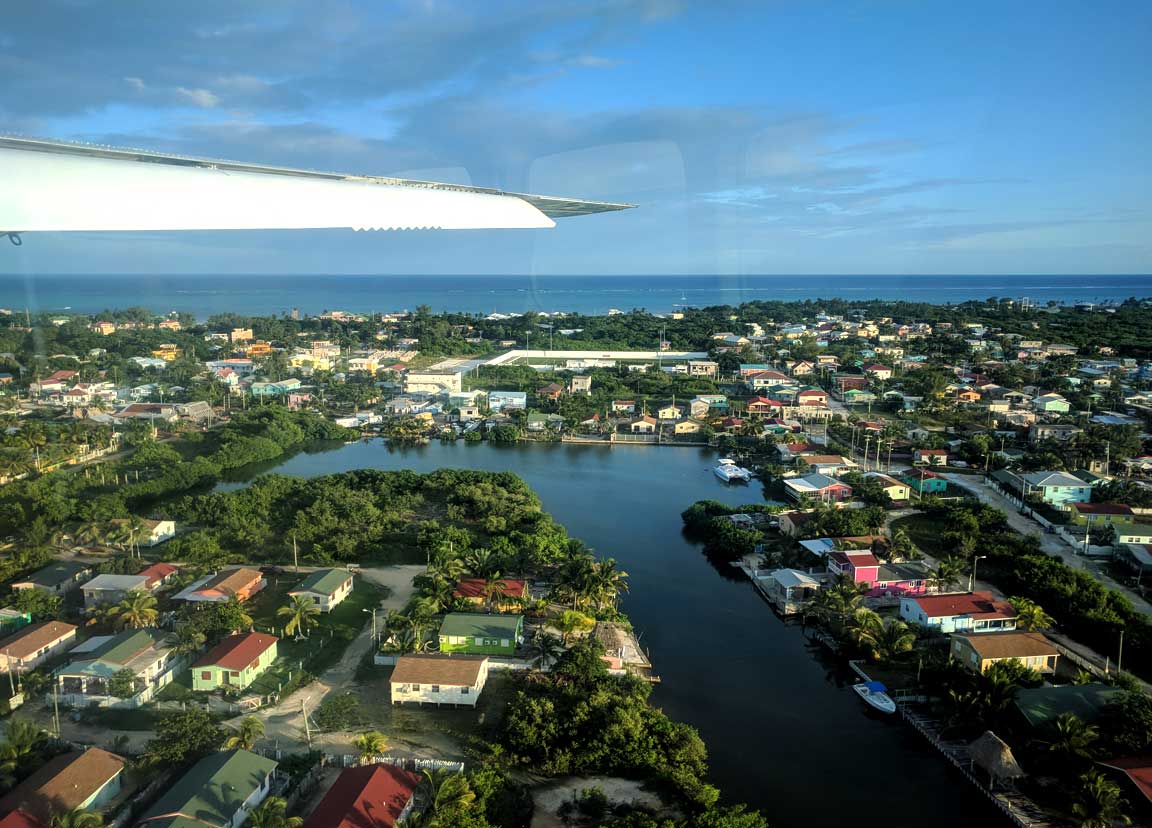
[303, 359]
[979, 651]
[167, 352]
[258, 349]
[687, 427]
[104, 328]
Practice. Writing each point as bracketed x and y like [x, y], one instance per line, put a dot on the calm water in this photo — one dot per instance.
[256, 295]
[784, 730]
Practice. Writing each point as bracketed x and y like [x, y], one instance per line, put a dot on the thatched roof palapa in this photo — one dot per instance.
[992, 753]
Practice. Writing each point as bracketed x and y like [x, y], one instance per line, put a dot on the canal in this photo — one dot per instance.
[784, 731]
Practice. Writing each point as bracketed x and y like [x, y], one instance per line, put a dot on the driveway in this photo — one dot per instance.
[1050, 543]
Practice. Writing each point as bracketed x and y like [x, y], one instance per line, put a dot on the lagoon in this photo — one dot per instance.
[785, 732]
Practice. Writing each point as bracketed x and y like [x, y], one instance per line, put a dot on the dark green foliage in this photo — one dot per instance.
[183, 737]
[337, 712]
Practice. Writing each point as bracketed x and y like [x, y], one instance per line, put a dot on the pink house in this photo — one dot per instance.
[884, 580]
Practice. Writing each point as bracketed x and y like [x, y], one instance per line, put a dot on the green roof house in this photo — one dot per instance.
[479, 633]
[220, 791]
[56, 578]
[325, 587]
[1041, 706]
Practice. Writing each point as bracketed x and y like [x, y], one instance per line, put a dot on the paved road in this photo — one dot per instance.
[1050, 543]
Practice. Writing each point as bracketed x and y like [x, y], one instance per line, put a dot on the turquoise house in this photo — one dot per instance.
[924, 482]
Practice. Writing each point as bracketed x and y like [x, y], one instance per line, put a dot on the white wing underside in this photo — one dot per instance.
[61, 187]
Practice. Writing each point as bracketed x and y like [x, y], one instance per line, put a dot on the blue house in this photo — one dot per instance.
[499, 400]
[1057, 488]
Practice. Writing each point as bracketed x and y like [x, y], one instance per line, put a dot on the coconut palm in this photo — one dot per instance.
[187, 640]
[546, 649]
[248, 732]
[948, 572]
[448, 793]
[302, 614]
[370, 745]
[571, 622]
[93, 533]
[608, 582]
[76, 818]
[494, 589]
[576, 579]
[1099, 802]
[481, 562]
[882, 638]
[837, 602]
[1074, 738]
[21, 743]
[136, 610]
[273, 813]
[1030, 615]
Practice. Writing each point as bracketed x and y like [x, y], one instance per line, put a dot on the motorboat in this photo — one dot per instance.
[876, 694]
[728, 471]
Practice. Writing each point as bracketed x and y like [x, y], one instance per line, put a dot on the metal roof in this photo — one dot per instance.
[551, 206]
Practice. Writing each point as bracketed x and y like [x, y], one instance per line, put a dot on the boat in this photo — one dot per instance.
[876, 694]
[727, 470]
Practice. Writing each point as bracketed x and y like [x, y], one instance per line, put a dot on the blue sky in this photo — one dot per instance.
[757, 137]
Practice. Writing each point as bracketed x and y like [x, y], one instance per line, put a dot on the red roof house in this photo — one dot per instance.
[960, 612]
[372, 796]
[237, 651]
[158, 573]
[1138, 769]
[473, 589]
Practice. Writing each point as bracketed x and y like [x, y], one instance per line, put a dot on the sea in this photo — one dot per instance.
[264, 294]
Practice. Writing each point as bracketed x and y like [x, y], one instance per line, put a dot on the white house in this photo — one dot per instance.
[220, 790]
[439, 679]
[111, 589]
[155, 531]
[326, 588]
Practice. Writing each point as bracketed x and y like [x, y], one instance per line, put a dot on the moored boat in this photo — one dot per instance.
[728, 471]
[876, 694]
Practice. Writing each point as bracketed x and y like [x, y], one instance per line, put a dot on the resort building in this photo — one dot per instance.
[481, 633]
[326, 588]
[979, 652]
[235, 662]
[219, 791]
[439, 679]
[87, 779]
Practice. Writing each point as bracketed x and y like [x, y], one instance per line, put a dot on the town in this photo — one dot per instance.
[955, 500]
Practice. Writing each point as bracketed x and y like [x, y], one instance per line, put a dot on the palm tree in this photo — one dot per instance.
[370, 744]
[21, 741]
[546, 649]
[837, 602]
[273, 813]
[76, 818]
[494, 589]
[571, 622]
[1030, 616]
[1099, 802]
[92, 533]
[136, 610]
[448, 793]
[902, 546]
[301, 614]
[1074, 738]
[948, 572]
[248, 732]
[609, 582]
[187, 640]
[481, 562]
[882, 638]
[577, 579]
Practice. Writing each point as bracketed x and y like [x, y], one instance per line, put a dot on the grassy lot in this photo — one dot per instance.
[924, 532]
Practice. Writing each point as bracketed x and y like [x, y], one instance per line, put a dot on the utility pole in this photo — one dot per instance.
[8, 664]
[307, 727]
[56, 708]
[1120, 654]
[295, 554]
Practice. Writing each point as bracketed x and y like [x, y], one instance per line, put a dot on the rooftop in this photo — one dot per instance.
[237, 651]
[55, 574]
[1010, 645]
[374, 795]
[973, 604]
[454, 670]
[480, 625]
[211, 792]
[63, 783]
[34, 638]
[1043, 705]
[475, 588]
[323, 581]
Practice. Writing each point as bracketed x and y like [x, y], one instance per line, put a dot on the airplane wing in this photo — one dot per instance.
[60, 187]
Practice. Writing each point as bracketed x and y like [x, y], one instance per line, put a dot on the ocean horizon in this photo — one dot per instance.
[264, 294]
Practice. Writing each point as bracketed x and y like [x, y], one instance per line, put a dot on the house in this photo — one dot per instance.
[501, 400]
[144, 653]
[88, 779]
[1056, 488]
[154, 531]
[481, 633]
[702, 368]
[112, 589]
[688, 427]
[1056, 432]
[508, 592]
[623, 406]
[829, 464]
[580, 384]
[899, 580]
[219, 791]
[371, 796]
[792, 523]
[432, 382]
[56, 578]
[698, 407]
[235, 662]
[159, 574]
[817, 487]
[1106, 514]
[789, 590]
[924, 482]
[859, 564]
[898, 490]
[645, 425]
[968, 396]
[878, 371]
[440, 679]
[979, 652]
[812, 397]
[551, 391]
[1042, 706]
[239, 583]
[325, 587]
[973, 612]
[1136, 771]
[930, 457]
[670, 412]
[856, 396]
[1050, 404]
[801, 367]
[764, 405]
[31, 646]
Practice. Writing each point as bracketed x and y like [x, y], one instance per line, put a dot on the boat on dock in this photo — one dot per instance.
[875, 694]
[727, 470]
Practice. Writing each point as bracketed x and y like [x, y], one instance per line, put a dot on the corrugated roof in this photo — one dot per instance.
[477, 624]
[34, 638]
[231, 581]
[1010, 645]
[373, 796]
[55, 574]
[323, 581]
[474, 588]
[211, 792]
[454, 670]
[973, 604]
[1137, 768]
[237, 651]
[1043, 705]
[63, 783]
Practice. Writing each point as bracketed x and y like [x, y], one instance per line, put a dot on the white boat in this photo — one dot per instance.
[727, 470]
[876, 694]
